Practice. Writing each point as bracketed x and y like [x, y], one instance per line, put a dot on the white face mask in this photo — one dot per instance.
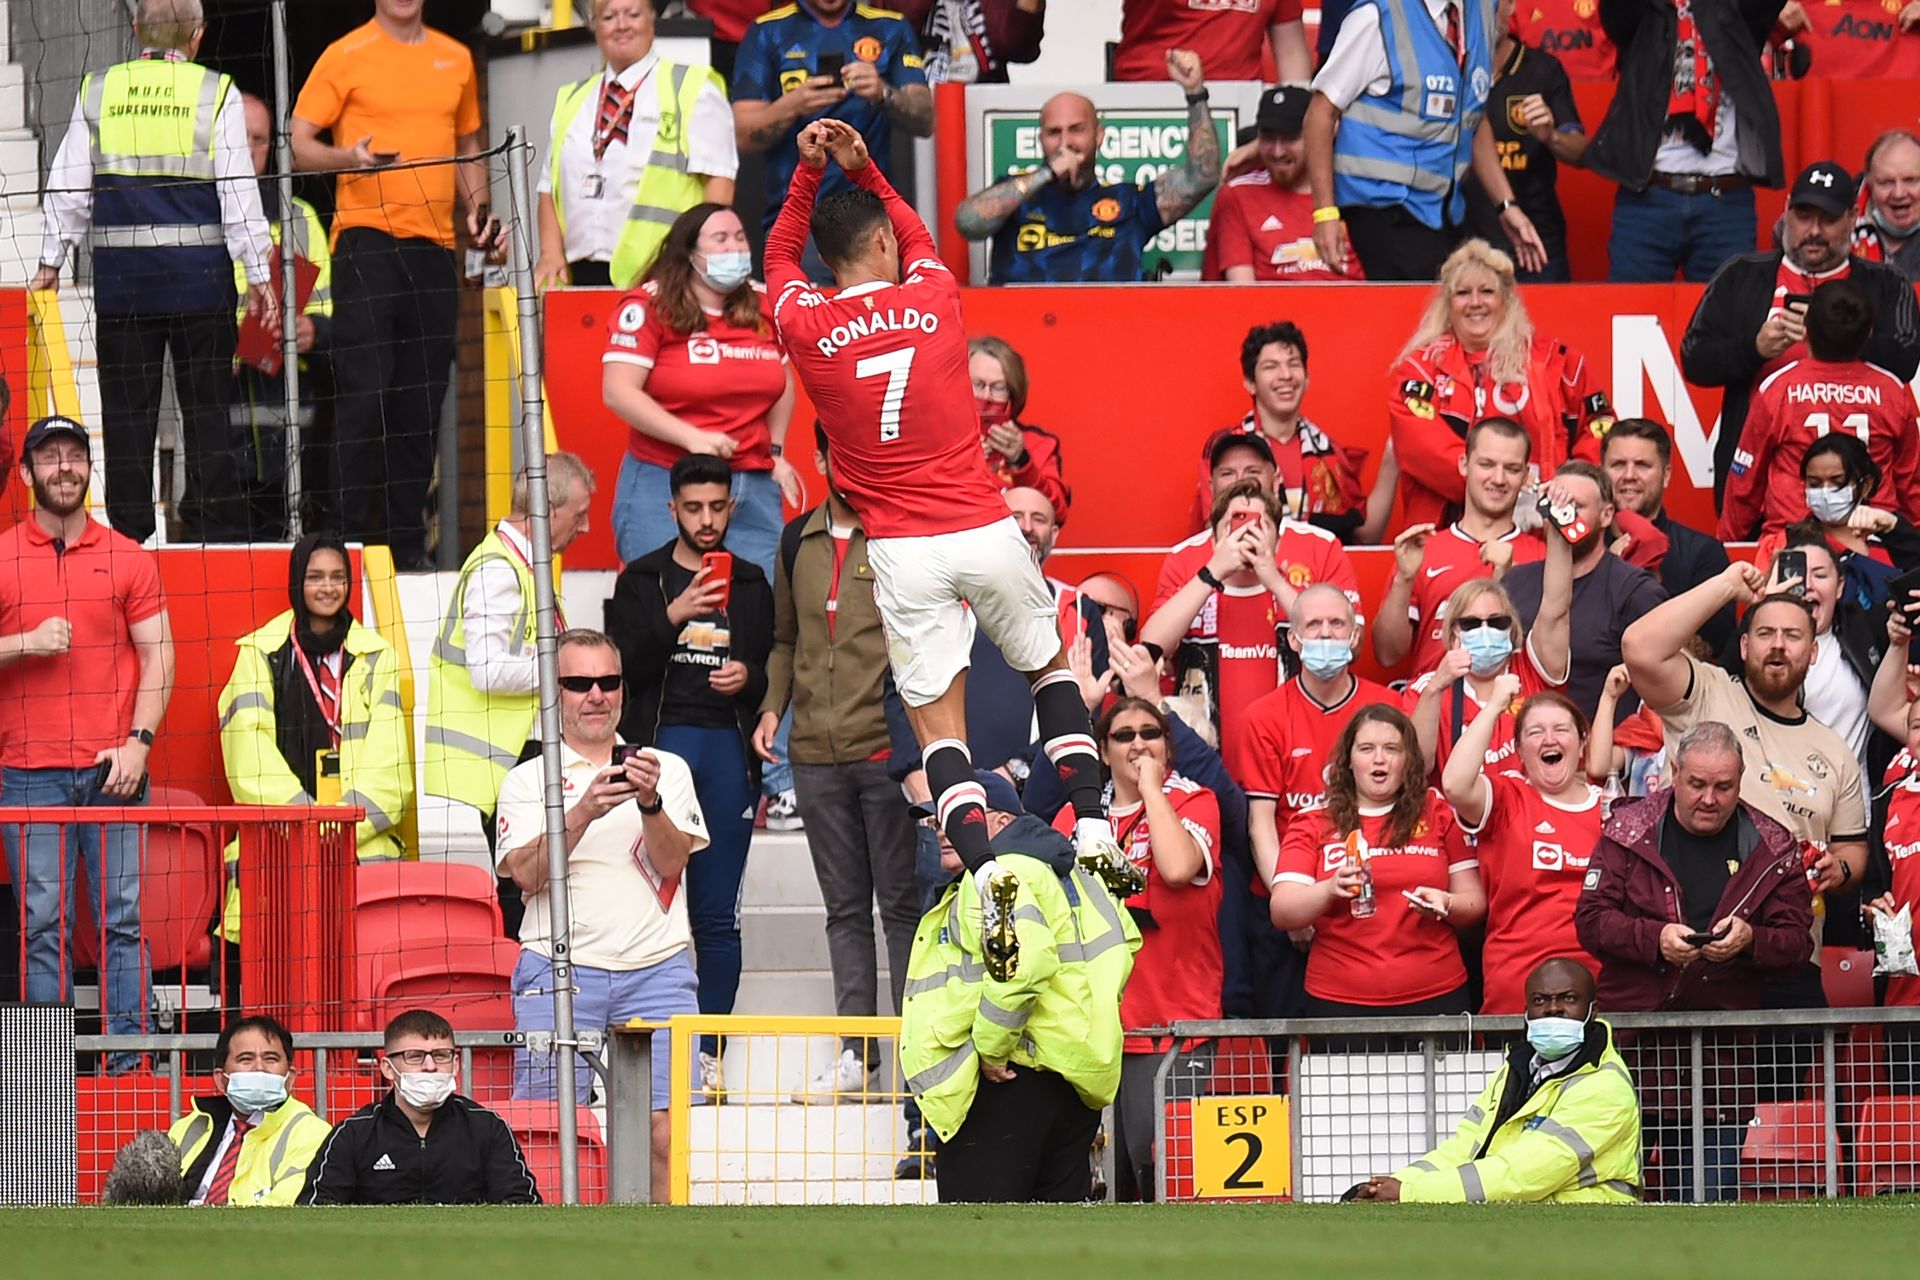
[425, 1090]
[251, 1091]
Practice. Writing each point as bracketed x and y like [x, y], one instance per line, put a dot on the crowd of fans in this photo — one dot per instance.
[1601, 735]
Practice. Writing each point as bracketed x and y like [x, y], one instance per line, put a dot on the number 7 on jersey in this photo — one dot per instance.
[895, 365]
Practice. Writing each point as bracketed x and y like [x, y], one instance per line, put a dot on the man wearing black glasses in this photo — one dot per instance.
[633, 823]
[423, 1143]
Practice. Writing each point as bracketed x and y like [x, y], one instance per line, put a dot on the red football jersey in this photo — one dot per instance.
[1796, 405]
[1860, 40]
[1242, 623]
[1901, 836]
[1283, 745]
[1177, 974]
[1570, 31]
[1453, 557]
[886, 368]
[1229, 35]
[1533, 857]
[1395, 956]
[1500, 751]
[1307, 553]
[1269, 228]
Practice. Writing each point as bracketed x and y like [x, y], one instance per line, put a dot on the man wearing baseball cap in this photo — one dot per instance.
[1751, 320]
[86, 668]
[1263, 220]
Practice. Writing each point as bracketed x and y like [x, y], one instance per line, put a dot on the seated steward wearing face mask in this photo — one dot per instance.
[1559, 1121]
[251, 1142]
[423, 1143]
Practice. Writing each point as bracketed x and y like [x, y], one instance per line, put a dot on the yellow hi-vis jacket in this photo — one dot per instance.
[666, 189]
[376, 770]
[309, 242]
[474, 737]
[1575, 1139]
[274, 1154]
[1059, 1012]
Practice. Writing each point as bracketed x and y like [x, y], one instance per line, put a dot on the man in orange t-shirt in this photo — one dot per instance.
[396, 97]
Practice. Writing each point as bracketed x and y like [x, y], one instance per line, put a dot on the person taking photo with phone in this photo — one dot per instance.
[86, 670]
[633, 825]
[1731, 875]
[694, 626]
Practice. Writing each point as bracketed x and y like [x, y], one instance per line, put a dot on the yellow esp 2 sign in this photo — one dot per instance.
[1242, 1148]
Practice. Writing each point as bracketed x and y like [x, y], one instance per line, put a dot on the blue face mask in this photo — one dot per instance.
[251, 1091]
[1486, 649]
[1555, 1038]
[1326, 658]
[1830, 506]
[726, 271]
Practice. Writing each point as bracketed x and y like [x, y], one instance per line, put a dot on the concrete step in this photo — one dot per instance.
[13, 101]
[795, 1143]
[800, 991]
[779, 872]
[866, 1191]
[766, 1070]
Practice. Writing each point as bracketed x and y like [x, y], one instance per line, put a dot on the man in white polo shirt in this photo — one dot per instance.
[631, 828]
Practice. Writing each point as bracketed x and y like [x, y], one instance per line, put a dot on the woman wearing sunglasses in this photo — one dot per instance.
[1383, 877]
[1485, 640]
[1170, 827]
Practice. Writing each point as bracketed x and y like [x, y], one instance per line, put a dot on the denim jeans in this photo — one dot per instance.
[712, 885]
[43, 867]
[643, 522]
[1657, 232]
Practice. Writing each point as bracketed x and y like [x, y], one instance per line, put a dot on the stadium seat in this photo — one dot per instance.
[491, 1080]
[1847, 977]
[1784, 1156]
[179, 890]
[1886, 1146]
[399, 900]
[1241, 1064]
[536, 1124]
[467, 981]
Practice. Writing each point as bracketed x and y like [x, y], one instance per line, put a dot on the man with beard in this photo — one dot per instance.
[1796, 770]
[1609, 594]
[1885, 230]
[1057, 224]
[1262, 228]
[1752, 318]
[1040, 525]
[86, 668]
[694, 635]
[1638, 456]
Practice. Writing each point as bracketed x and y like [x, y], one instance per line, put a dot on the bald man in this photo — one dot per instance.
[1058, 223]
[1559, 1121]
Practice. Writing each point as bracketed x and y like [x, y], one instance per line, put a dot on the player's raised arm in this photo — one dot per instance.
[850, 152]
[787, 241]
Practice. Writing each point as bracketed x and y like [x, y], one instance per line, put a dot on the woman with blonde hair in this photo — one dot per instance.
[1476, 355]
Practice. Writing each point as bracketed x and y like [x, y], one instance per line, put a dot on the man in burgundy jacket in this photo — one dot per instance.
[1694, 900]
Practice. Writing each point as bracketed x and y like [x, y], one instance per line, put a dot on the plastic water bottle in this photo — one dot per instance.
[1363, 904]
[1611, 795]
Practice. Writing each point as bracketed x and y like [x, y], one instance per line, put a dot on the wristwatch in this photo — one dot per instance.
[657, 806]
[1206, 575]
[776, 450]
[144, 735]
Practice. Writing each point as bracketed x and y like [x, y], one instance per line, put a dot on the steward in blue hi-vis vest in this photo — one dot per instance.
[1411, 145]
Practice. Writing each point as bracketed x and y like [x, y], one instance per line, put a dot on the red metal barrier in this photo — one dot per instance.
[297, 869]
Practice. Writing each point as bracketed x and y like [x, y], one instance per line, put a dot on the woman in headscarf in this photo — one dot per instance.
[312, 711]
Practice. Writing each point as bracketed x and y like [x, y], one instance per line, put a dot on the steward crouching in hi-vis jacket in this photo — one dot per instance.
[1013, 1074]
[1559, 1120]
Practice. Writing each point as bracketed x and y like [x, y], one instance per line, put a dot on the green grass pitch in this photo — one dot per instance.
[1879, 1239]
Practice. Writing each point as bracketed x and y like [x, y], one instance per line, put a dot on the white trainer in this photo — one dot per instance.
[845, 1081]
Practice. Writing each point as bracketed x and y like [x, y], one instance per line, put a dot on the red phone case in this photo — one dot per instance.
[719, 567]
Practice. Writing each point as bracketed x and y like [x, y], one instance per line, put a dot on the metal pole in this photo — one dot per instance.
[289, 272]
[534, 445]
[1699, 1118]
[1430, 1071]
[1830, 1111]
[629, 1116]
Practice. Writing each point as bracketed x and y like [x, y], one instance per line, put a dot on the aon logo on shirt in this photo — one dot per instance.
[1548, 856]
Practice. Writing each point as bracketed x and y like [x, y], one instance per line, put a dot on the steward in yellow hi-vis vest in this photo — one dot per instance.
[1013, 1075]
[1559, 1121]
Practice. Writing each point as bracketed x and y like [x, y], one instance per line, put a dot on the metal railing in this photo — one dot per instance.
[1733, 1105]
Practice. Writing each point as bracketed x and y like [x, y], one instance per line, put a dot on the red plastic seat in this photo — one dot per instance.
[466, 981]
[180, 870]
[1785, 1154]
[536, 1126]
[399, 900]
[1847, 977]
[1887, 1146]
